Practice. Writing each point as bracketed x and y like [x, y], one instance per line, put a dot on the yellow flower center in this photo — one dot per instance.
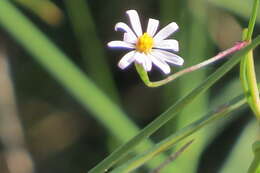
[144, 43]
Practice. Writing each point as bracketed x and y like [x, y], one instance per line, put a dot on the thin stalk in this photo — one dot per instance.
[249, 82]
[247, 69]
[174, 76]
[252, 20]
[252, 84]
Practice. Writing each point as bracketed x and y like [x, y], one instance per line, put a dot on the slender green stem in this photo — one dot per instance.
[252, 84]
[243, 77]
[252, 20]
[123, 150]
[247, 69]
[249, 82]
[221, 55]
[243, 67]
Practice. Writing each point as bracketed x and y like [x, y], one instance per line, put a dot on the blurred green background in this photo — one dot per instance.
[63, 137]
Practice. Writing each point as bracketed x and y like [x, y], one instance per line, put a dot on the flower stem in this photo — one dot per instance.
[174, 76]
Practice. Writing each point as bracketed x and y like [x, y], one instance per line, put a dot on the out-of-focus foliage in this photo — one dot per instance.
[63, 136]
[48, 11]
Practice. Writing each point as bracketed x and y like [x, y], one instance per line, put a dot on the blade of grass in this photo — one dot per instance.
[167, 143]
[173, 110]
[90, 46]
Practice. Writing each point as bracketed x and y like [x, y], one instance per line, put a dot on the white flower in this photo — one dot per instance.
[147, 48]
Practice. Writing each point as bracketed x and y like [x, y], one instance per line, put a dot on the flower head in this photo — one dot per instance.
[149, 47]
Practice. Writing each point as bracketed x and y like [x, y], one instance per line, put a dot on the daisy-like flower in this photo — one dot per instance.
[149, 47]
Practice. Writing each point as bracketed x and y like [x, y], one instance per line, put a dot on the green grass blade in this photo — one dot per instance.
[90, 46]
[173, 110]
[167, 143]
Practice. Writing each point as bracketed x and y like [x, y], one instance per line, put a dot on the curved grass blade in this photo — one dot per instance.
[167, 143]
[90, 46]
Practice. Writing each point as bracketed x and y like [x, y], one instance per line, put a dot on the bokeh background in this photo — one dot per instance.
[61, 136]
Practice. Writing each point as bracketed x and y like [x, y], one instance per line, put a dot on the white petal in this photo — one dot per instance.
[169, 44]
[135, 22]
[166, 31]
[125, 28]
[120, 44]
[167, 56]
[127, 60]
[144, 60]
[129, 39]
[139, 58]
[152, 26]
[160, 64]
[148, 63]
